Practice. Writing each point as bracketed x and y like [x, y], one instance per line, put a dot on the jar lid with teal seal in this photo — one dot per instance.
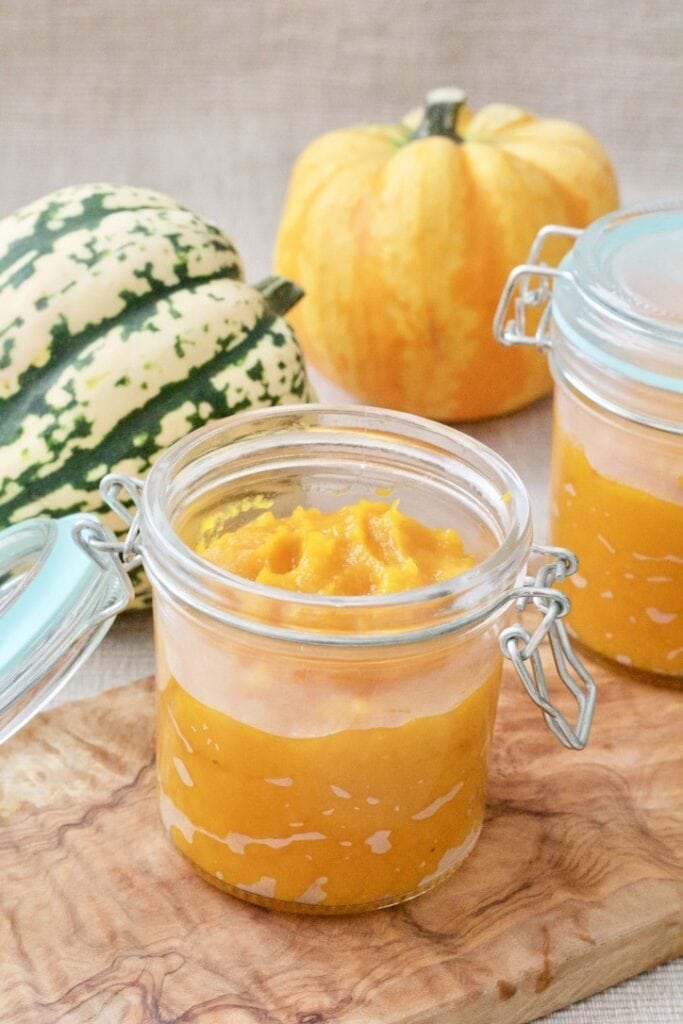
[61, 586]
[611, 313]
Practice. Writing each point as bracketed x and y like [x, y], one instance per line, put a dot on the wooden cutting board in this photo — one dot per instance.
[576, 883]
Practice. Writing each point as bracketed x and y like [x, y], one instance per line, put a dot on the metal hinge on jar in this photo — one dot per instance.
[533, 283]
[103, 547]
[521, 647]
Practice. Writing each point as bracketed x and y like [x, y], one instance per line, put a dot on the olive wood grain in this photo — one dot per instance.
[576, 884]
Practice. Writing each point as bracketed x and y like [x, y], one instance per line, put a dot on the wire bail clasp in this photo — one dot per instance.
[112, 486]
[522, 648]
[532, 281]
[100, 544]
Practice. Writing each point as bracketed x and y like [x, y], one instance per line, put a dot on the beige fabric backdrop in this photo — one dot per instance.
[211, 100]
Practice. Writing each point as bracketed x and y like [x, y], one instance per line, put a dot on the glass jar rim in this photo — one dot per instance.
[163, 547]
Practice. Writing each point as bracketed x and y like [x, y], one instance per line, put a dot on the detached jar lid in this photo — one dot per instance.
[58, 598]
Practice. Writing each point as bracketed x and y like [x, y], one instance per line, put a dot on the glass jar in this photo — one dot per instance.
[317, 752]
[329, 754]
[613, 327]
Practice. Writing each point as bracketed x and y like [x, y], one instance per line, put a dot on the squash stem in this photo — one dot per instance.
[441, 114]
[280, 293]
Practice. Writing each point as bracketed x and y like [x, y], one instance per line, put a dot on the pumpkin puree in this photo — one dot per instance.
[366, 548]
[361, 813]
[627, 598]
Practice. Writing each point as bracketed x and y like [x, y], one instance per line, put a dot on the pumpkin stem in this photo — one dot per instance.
[280, 294]
[441, 114]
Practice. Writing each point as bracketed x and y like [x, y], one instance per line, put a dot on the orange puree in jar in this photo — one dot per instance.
[627, 598]
[366, 548]
[346, 781]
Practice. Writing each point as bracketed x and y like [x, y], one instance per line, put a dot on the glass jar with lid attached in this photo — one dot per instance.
[612, 324]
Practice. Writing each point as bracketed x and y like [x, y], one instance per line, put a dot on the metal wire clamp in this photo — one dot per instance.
[521, 647]
[100, 544]
[532, 282]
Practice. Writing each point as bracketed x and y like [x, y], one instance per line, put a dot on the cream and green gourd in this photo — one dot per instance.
[125, 323]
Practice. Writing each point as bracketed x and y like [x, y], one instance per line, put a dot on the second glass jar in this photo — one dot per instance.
[614, 332]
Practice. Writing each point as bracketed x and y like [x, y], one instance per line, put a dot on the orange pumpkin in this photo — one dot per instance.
[402, 238]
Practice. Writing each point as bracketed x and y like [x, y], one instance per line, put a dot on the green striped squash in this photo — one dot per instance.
[125, 323]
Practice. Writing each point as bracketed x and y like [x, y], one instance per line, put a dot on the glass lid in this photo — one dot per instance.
[632, 262]
[58, 598]
[617, 301]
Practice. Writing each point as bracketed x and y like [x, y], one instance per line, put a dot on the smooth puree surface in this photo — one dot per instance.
[336, 779]
[627, 597]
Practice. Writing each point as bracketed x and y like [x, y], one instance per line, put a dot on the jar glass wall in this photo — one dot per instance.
[617, 500]
[328, 754]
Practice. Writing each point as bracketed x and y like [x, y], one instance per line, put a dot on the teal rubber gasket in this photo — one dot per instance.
[64, 573]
